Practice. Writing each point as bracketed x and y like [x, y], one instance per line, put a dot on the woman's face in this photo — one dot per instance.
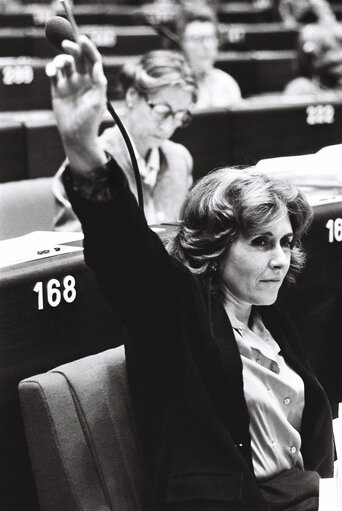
[200, 45]
[156, 116]
[254, 267]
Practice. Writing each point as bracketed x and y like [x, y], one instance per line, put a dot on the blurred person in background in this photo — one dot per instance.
[319, 61]
[160, 91]
[197, 29]
[7, 5]
[297, 12]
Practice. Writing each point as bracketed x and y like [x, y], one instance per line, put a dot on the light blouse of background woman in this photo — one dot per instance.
[159, 91]
[197, 29]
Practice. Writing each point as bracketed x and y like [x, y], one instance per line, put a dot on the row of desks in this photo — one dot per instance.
[123, 40]
[25, 86]
[235, 12]
[30, 146]
[259, 11]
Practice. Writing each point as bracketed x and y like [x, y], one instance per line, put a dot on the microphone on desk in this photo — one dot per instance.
[57, 29]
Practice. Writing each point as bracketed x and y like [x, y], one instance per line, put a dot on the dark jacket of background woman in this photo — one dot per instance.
[184, 366]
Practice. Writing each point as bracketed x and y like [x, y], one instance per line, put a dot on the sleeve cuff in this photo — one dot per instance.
[99, 184]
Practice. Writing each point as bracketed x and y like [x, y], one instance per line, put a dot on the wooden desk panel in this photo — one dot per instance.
[264, 131]
[13, 156]
[257, 36]
[206, 138]
[239, 136]
[259, 72]
[110, 40]
[245, 12]
[24, 84]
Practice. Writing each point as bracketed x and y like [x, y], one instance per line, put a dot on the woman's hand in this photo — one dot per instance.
[78, 90]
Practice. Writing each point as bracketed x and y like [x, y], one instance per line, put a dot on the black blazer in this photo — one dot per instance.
[184, 366]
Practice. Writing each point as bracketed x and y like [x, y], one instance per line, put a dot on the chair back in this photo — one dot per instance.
[81, 436]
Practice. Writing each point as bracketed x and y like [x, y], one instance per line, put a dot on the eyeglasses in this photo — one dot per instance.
[162, 111]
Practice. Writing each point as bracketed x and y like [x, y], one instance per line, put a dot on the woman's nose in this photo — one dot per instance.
[279, 257]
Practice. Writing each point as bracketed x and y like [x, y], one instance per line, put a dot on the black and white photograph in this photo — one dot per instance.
[171, 255]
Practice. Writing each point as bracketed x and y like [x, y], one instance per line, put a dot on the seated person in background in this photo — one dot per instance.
[197, 30]
[159, 94]
[229, 413]
[319, 61]
[7, 5]
[296, 12]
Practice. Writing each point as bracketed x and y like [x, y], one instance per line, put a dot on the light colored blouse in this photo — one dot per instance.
[275, 400]
[217, 89]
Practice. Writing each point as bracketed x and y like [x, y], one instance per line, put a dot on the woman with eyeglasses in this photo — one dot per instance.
[197, 29]
[159, 91]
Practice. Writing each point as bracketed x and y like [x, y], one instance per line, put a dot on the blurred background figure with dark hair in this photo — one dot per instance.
[197, 29]
[296, 12]
[319, 61]
[159, 92]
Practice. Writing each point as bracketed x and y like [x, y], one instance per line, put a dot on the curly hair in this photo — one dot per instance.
[229, 202]
[157, 69]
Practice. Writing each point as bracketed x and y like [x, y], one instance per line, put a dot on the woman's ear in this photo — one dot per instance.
[131, 97]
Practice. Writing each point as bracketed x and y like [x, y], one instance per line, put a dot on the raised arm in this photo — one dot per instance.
[134, 270]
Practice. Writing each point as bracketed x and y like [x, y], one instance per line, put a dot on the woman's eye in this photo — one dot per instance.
[287, 243]
[261, 241]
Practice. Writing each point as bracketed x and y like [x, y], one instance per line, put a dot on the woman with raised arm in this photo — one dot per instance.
[159, 91]
[229, 414]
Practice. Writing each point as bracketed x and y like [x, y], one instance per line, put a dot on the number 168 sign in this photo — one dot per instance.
[54, 292]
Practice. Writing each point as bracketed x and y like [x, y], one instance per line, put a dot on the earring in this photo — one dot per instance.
[213, 267]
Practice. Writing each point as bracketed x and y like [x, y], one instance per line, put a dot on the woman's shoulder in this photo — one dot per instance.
[224, 78]
[301, 86]
[218, 89]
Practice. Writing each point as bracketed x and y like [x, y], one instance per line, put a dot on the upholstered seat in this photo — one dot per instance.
[81, 437]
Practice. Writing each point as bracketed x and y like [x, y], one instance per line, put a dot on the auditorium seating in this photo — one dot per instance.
[35, 340]
[12, 151]
[123, 40]
[275, 129]
[16, 42]
[257, 36]
[25, 86]
[245, 134]
[81, 436]
[239, 136]
[108, 13]
[47, 319]
[255, 70]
